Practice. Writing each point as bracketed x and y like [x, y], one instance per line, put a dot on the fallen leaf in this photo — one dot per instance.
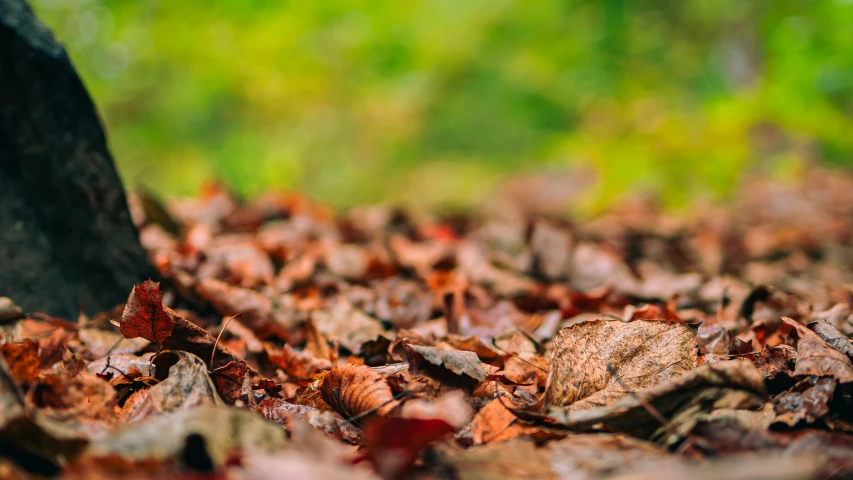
[451, 407]
[832, 337]
[596, 363]
[735, 384]
[347, 325]
[816, 357]
[228, 380]
[296, 364]
[186, 386]
[493, 423]
[805, 402]
[517, 459]
[23, 360]
[356, 390]
[9, 312]
[457, 361]
[144, 315]
[393, 444]
[163, 437]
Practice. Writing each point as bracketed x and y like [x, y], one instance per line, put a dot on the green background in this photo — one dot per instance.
[434, 101]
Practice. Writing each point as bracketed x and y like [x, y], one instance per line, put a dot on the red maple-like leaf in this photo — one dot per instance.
[144, 315]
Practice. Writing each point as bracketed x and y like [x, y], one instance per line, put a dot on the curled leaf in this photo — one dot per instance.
[457, 361]
[816, 357]
[357, 390]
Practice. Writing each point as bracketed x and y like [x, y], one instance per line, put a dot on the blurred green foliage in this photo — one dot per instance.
[434, 100]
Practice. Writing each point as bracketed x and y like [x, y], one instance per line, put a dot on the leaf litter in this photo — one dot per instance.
[282, 340]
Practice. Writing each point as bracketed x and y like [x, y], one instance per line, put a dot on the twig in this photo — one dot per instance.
[216, 343]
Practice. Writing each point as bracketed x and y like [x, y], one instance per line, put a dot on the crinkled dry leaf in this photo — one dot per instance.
[79, 407]
[297, 364]
[187, 386]
[816, 357]
[596, 363]
[346, 325]
[228, 380]
[457, 361]
[832, 337]
[518, 459]
[357, 390]
[805, 402]
[23, 360]
[493, 423]
[102, 342]
[226, 432]
[144, 315]
[734, 384]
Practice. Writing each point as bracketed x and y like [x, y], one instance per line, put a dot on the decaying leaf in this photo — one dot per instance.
[145, 316]
[457, 361]
[356, 390]
[225, 431]
[23, 360]
[735, 384]
[187, 386]
[596, 363]
[832, 337]
[393, 444]
[816, 357]
[805, 402]
[346, 325]
[494, 422]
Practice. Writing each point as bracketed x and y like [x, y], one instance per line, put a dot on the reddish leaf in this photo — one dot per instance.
[393, 444]
[144, 315]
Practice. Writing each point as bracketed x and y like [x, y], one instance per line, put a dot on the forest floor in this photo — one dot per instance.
[286, 341]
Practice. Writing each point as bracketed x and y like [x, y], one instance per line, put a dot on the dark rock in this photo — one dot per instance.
[66, 236]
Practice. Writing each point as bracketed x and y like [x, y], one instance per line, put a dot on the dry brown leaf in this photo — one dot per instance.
[734, 384]
[832, 337]
[493, 423]
[347, 325]
[101, 342]
[518, 459]
[551, 248]
[300, 365]
[23, 360]
[816, 357]
[805, 402]
[457, 361]
[357, 390]
[187, 386]
[80, 407]
[255, 309]
[596, 363]
[451, 407]
[163, 437]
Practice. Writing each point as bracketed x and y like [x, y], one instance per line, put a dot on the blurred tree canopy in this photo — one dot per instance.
[434, 100]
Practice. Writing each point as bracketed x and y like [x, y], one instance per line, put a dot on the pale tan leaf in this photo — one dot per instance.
[596, 363]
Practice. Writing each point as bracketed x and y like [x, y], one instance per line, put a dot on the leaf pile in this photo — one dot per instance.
[283, 340]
